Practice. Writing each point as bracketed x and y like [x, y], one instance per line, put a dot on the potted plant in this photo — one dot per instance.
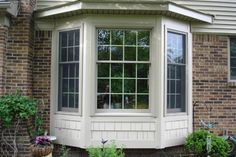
[42, 146]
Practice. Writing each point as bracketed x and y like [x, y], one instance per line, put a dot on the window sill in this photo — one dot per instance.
[232, 84]
[67, 113]
[123, 115]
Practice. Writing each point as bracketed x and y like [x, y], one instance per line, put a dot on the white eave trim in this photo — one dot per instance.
[4, 5]
[167, 7]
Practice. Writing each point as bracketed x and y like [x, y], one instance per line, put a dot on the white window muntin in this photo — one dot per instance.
[123, 61]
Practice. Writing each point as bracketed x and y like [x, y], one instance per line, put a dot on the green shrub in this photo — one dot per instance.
[197, 143]
[106, 151]
[16, 107]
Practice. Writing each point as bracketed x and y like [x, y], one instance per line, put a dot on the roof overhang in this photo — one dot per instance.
[154, 8]
[9, 7]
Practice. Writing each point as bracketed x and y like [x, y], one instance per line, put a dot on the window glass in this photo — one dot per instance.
[176, 72]
[123, 69]
[233, 58]
[68, 78]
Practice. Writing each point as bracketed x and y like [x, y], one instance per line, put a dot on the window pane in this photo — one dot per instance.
[116, 70]
[116, 86]
[103, 101]
[129, 86]
[143, 38]
[63, 55]
[63, 38]
[233, 73]
[103, 86]
[233, 47]
[71, 38]
[76, 54]
[233, 62]
[143, 70]
[117, 37]
[103, 70]
[116, 53]
[130, 37]
[142, 86]
[64, 100]
[130, 53]
[65, 70]
[103, 53]
[116, 101]
[68, 78]
[65, 86]
[103, 37]
[143, 54]
[71, 101]
[142, 101]
[129, 70]
[129, 101]
[71, 85]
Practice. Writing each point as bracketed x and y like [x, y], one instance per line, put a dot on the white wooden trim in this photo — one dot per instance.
[169, 7]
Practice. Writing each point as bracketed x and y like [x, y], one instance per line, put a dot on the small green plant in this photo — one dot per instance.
[110, 150]
[197, 143]
[64, 151]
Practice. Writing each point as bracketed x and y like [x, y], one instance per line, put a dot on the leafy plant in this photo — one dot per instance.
[15, 106]
[106, 151]
[197, 143]
[15, 109]
[64, 151]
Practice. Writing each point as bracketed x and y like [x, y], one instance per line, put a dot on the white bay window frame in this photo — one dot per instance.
[174, 26]
[63, 27]
[162, 124]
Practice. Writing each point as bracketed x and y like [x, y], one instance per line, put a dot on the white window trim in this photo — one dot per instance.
[171, 25]
[55, 69]
[121, 23]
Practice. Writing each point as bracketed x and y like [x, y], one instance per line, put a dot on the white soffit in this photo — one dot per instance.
[164, 8]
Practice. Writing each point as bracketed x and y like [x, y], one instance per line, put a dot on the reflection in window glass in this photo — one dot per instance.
[68, 91]
[123, 69]
[176, 74]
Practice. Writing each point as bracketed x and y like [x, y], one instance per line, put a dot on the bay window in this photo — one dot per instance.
[123, 69]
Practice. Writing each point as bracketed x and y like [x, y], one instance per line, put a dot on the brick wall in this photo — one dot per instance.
[20, 50]
[16, 60]
[210, 82]
[42, 72]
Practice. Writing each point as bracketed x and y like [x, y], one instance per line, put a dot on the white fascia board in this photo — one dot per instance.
[190, 13]
[171, 7]
[59, 10]
[5, 4]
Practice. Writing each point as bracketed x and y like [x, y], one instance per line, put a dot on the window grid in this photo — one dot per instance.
[69, 71]
[233, 58]
[123, 78]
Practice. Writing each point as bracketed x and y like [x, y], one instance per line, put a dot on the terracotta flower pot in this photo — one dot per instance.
[39, 151]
